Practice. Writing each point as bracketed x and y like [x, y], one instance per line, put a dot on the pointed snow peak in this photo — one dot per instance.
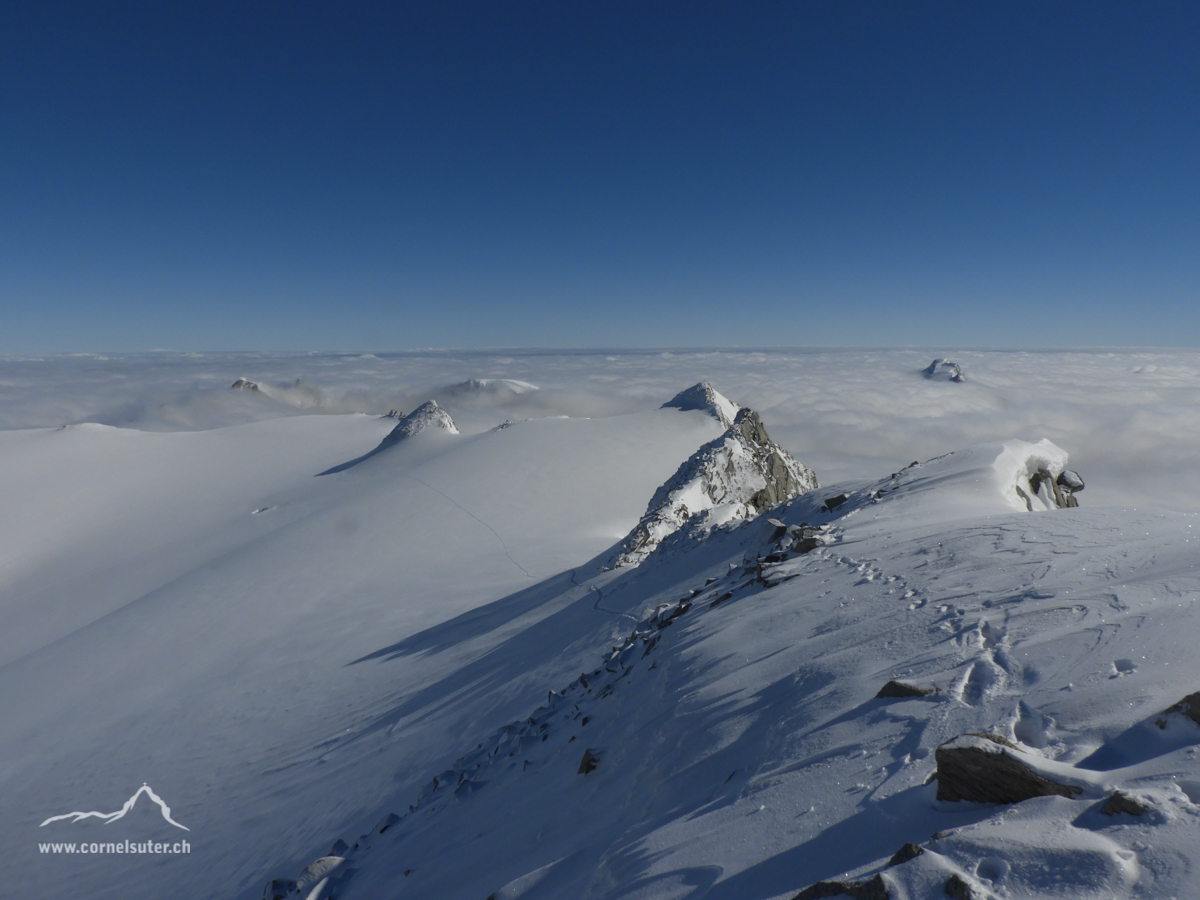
[737, 476]
[705, 397]
[427, 415]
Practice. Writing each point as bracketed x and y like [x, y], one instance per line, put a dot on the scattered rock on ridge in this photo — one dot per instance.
[900, 689]
[985, 768]
[1122, 803]
[944, 370]
[427, 415]
[737, 476]
[1056, 491]
[704, 396]
[243, 385]
[874, 889]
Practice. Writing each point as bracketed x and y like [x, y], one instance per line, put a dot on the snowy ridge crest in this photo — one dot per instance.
[736, 476]
[427, 415]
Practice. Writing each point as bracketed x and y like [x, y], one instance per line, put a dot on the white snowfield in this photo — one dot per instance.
[411, 677]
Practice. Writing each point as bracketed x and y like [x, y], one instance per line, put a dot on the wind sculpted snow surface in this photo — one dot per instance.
[729, 743]
[411, 677]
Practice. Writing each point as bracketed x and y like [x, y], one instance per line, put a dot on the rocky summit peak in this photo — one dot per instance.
[944, 370]
[704, 396]
[737, 476]
[427, 415]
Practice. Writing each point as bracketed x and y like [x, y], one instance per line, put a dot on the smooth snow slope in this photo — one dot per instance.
[740, 753]
[213, 596]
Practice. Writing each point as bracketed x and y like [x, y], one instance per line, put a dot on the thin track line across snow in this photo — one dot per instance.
[503, 546]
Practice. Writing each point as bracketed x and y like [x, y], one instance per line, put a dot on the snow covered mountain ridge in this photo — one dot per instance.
[736, 476]
[737, 742]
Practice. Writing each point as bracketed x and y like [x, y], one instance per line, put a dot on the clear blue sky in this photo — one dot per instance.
[284, 175]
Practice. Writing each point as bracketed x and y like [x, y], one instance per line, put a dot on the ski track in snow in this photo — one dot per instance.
[503, 546]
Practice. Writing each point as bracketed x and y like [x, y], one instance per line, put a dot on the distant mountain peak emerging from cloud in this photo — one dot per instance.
[427, 415]
[737, 476]
[705, 397]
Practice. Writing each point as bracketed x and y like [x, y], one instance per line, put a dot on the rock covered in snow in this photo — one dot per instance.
[316, 872]
[243, 384]
[427, 415]
[944, 370]
[705, 397]
[737, 476]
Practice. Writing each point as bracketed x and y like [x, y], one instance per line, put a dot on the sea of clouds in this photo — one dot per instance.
[1130, 418]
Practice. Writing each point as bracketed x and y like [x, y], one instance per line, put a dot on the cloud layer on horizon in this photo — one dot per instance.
[1129, 418]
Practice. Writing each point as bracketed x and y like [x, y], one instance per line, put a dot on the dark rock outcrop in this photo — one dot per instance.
[243, 385]
[873, 889]
[905, 853]
[959, 888]
[900, 689]
[1122, 803]
[1058, 491]
[588, 764]
[832, 503]
[986, 768]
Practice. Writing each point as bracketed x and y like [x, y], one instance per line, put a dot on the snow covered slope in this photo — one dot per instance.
[412, 676]
[726, 740]
[186, 610]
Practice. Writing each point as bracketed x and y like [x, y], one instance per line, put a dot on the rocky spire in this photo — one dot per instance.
[737, 476]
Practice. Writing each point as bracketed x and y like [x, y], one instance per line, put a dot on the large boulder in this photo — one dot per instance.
[986, 768]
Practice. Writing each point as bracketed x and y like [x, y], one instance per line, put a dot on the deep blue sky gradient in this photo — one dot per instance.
[292, 175]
